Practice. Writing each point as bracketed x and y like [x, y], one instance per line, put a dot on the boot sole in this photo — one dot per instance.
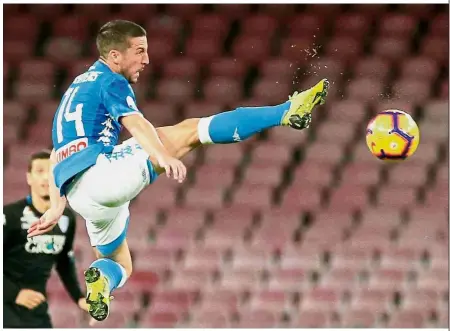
[98, 309]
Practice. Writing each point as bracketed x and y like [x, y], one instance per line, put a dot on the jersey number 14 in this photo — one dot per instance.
[69, 115]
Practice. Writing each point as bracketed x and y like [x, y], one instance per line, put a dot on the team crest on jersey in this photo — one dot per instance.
[131, 103]
[28, 217]
[63, 223]
[105, 134]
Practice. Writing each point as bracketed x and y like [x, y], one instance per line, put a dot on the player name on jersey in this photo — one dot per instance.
[90, 76]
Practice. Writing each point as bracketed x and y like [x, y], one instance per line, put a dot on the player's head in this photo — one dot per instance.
[37, 175]
[123, 45]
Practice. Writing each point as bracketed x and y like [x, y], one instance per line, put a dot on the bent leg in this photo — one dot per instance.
[121, 255]
[113, 256]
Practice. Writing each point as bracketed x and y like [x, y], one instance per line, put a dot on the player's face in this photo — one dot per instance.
[37, 177]
[134, 59]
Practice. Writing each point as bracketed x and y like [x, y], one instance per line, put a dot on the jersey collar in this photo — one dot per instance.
[102, 66]
[29, 201]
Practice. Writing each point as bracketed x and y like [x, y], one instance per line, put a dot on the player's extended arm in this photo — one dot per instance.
[57, 205]
[57, 202]
[146, 135]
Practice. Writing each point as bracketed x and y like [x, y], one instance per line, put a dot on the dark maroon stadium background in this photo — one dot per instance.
[290, 229]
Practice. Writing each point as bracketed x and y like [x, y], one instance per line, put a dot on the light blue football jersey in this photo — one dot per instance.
[86, 122]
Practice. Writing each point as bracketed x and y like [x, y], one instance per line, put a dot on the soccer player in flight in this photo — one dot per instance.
[99, 177]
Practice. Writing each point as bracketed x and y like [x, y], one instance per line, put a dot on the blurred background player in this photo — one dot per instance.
[27, 262]
[99, 177]
[383, 263]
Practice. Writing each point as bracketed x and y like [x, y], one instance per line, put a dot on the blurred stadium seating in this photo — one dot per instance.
[290, 229]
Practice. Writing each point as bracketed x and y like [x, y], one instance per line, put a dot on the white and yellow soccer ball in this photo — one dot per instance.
[392, 135]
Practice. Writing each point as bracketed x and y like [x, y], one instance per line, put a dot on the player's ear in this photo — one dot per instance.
[28, 178]
[115, 56]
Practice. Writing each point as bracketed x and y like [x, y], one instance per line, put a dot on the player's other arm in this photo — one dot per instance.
[58, 202]
[57, 205]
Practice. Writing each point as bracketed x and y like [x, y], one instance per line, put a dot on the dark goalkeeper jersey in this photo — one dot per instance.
[27, 262]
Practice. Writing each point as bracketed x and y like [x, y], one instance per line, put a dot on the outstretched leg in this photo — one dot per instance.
[241, 123]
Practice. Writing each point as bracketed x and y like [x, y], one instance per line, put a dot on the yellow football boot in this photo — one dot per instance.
[98, 295]
[302, 104]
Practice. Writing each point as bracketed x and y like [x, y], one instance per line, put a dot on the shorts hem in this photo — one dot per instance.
[151, 171]
[108, 249]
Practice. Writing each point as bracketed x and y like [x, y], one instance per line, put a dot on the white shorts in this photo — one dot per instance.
[102, 194]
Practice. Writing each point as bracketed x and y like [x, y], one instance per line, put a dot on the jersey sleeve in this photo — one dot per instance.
[119, 99]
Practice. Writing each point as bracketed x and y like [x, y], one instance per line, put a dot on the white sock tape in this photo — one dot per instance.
[124, 276]
[203, 130]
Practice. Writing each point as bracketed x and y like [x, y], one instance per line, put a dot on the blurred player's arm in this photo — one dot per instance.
[65, 265]
[57, 202]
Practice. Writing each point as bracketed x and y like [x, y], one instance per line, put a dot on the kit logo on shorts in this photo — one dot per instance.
[144, 175]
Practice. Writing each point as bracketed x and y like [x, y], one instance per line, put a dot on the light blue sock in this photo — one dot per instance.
[112, 270]
[240, 124]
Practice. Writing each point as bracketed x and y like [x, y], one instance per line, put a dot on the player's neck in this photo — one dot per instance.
[111, 66]
[41, 205]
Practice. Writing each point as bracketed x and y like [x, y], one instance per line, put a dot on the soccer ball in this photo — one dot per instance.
[392, 135]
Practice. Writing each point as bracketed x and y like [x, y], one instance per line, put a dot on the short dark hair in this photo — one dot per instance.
[41, 155]
[116, 34]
